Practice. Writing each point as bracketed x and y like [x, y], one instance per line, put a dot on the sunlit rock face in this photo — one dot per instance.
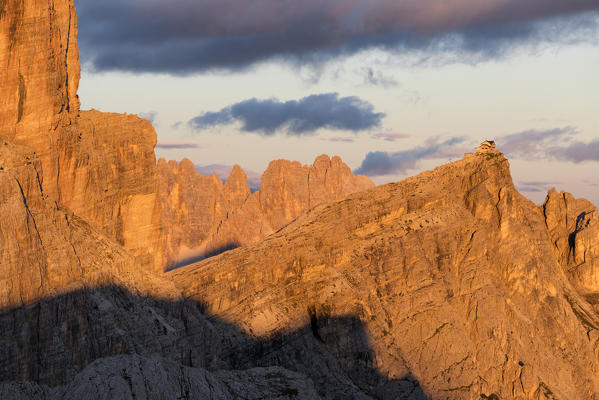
[204, 217]
[452, 273]
[47, 250]
[40, 69]
[448, 285]
[573, 226]
[101, 166]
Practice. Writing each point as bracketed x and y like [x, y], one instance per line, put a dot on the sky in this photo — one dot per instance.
[394, 87]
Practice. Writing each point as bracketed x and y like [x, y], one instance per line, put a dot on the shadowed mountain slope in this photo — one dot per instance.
[177, 341]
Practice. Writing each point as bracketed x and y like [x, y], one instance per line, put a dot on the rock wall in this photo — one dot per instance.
[573, 226]
[101, 166]
[134, 377]
[40, 68]
[452, 273]
[204, 217]
[45, 249]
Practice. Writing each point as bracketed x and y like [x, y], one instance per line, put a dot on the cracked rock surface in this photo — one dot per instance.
[134, 377]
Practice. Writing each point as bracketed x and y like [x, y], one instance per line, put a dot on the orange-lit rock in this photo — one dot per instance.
[452, 274]
[40, 69]
[101, 166]
[205, 217]
[573, 226]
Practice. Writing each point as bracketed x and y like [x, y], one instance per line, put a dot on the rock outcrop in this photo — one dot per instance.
[45, 249]
[100, 166]
[452, 273]
[106, 173]
[134, 377]
[573, 226]
[40, 69]
[203, 217]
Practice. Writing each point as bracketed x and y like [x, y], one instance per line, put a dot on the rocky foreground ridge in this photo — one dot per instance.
[448, 285]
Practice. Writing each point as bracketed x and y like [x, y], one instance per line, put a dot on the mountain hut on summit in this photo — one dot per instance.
[486, 147]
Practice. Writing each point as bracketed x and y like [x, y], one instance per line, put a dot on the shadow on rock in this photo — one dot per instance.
[53, 340]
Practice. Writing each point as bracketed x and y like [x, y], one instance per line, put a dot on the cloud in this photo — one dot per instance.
[383, 163]
[536, 186]
[530, 189]
[376, 78]
[533, 143]
[390, 137]
[577, 152]
[150, 116]
[339, 139]
[553, 144]
[177, 145]
[295, 117]
[190, 36]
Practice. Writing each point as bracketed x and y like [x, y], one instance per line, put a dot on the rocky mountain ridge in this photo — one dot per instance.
[203, 217]
[447, 285]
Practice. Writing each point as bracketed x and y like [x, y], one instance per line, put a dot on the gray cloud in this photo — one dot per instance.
[577, 152]
[530, 189]
[295, 117]
[339, 139]
[150, 116]
[383, 163]
[536, 186]
[553, 144]
[190, 36]
[177, 145]
[534, 144]
[377, 78]
[390, 137]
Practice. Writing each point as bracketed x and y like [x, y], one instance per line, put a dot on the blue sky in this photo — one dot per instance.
[392, 87]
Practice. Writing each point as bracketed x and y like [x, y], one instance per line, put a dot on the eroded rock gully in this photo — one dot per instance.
[448, 285]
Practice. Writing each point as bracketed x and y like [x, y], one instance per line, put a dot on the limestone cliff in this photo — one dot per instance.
[573, 226]
[204, 217]
[452, 273]
[101, 166]
[448, 285]
[40, 68]
[105, 172]
[46, 250]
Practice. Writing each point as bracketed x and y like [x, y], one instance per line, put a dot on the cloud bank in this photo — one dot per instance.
[190, 36]
[556, 144]
[177, 145]
[383, 163]
[295, 117]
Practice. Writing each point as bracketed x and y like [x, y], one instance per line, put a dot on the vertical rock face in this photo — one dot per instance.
[104, 169]
[204, 217]
[192, 205]
[573, 226]
[101, 166]
[289, 188]
[40, 68]
[46, 250]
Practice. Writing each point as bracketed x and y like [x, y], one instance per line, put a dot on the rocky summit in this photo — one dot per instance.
[447, 285]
